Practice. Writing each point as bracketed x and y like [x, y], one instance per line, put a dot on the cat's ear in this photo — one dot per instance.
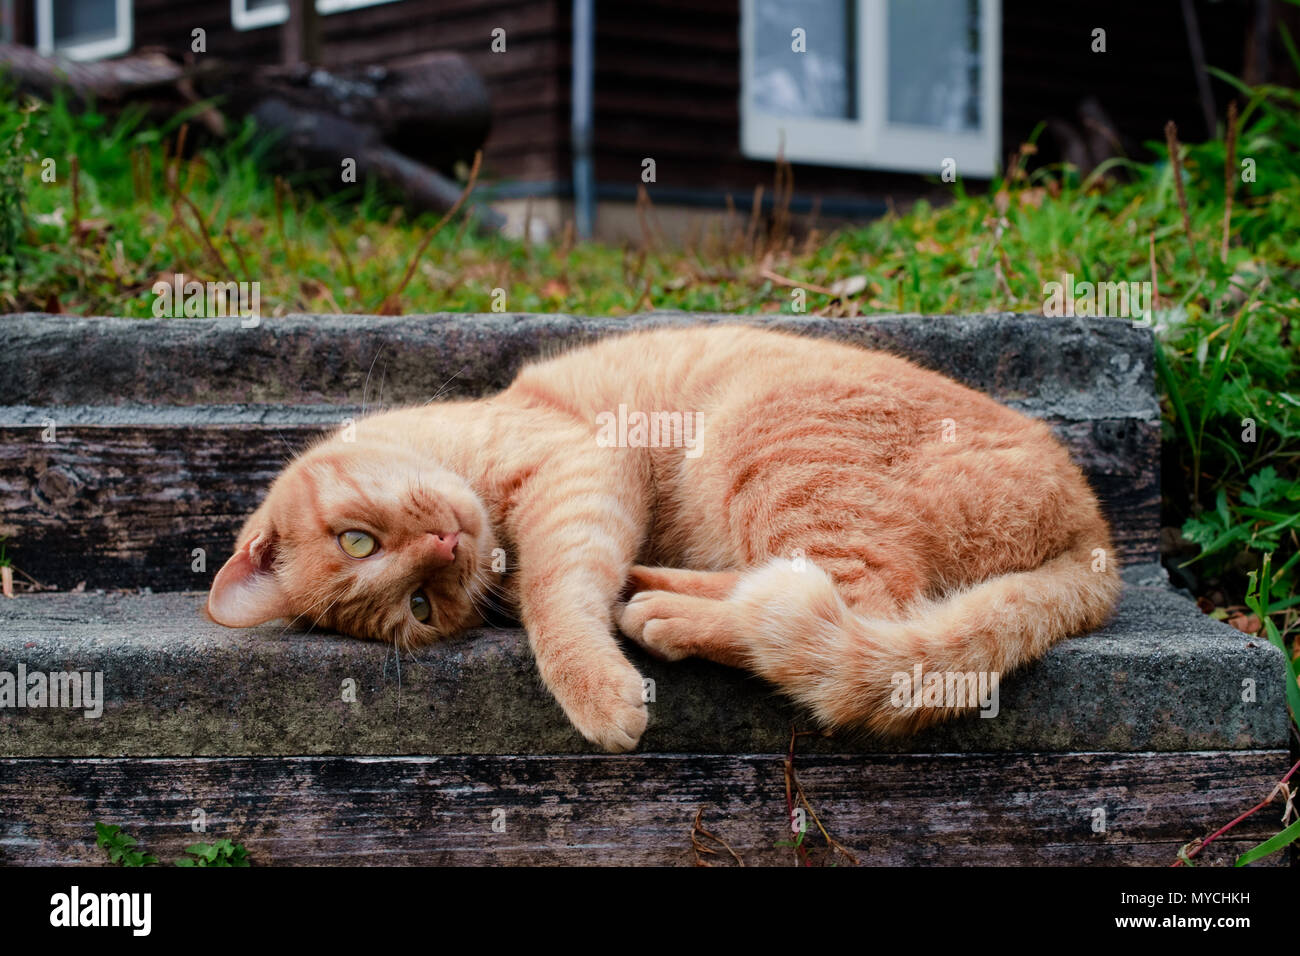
[246, 590]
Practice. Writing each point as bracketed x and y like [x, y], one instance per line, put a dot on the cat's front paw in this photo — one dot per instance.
[615, 715]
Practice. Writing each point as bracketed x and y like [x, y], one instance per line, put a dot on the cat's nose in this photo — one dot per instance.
[444, 545]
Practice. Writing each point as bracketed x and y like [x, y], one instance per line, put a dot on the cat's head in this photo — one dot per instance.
[370, 538]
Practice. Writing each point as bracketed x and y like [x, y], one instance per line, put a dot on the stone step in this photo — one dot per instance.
[1160, 677]
[132, 450]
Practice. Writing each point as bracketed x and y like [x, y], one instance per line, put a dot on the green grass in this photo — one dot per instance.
[94, 240]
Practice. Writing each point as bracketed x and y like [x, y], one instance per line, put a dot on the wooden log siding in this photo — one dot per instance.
[906, 809]
[528, 83]
[668, 85]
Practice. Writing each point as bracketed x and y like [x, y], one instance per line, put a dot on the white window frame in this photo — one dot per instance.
[93, 50]
[246, 19]
[869, 140]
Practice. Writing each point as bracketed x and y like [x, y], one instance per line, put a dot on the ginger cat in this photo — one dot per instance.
[824, 516]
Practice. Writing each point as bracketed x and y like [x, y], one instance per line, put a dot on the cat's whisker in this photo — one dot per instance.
[310, 608]
[323, 613]
[293, 453]
[487, 589]
[487, 596]
[480, 578]
[365, 390]
[438, 394]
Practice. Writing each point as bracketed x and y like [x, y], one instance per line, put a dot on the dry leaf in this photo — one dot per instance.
[1246, 623]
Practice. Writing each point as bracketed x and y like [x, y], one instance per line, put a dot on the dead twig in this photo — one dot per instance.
[800, 851]
[390, 304]
[74, 171]
[203, 234]
[1155, 279]
[792, 783]
[1176, 161]
[697, 831]
[1229, 178]
[778, 279]
[1196, 846]
[282, 187]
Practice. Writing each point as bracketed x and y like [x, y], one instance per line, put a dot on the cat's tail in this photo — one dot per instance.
[938, 659]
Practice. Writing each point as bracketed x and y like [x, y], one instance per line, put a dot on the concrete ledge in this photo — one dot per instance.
[1066, 367]
[1161, 677]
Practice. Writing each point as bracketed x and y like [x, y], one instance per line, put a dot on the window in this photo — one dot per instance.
[887, 84]
[83, 29]
[250, 14]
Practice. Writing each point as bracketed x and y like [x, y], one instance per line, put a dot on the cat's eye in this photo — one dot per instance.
[358, 544]
[421, 609]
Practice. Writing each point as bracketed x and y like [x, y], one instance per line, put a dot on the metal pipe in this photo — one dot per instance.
[584, 60]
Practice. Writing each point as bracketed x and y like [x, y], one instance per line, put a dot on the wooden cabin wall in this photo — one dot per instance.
[668, 85]
[529, 82]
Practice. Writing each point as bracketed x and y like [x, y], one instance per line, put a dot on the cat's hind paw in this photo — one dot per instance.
[654, 619]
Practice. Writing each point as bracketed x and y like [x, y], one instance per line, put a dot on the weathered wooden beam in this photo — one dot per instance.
[904, 809]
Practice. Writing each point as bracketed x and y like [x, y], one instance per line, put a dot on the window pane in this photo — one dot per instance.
[84, 21]
[934, 63]
[261, 4]
[817, 83]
